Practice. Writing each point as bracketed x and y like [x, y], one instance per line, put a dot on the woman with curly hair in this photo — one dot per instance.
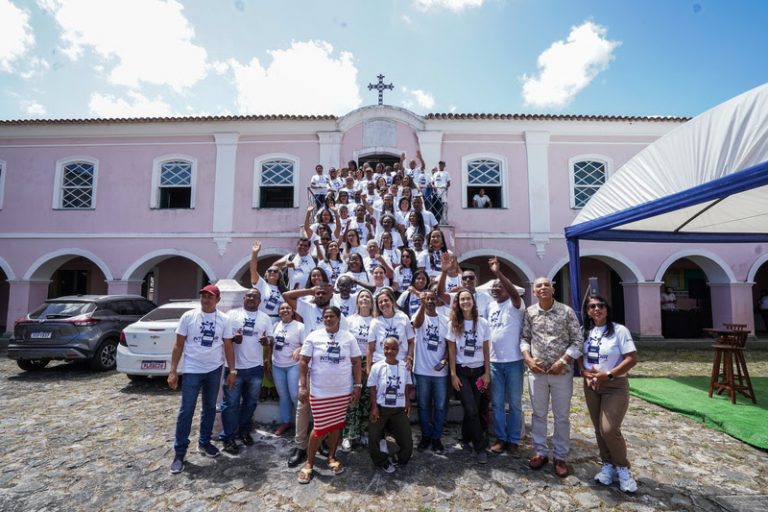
[470, 365]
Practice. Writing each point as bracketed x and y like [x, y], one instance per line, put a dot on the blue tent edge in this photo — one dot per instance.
[603, 228]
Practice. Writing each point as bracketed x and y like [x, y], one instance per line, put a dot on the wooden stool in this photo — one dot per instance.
[729, 352]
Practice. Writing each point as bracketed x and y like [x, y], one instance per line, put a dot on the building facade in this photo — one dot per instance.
[161, 206]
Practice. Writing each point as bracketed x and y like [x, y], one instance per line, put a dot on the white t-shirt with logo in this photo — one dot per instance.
[469, 346]
[359, 326]
[333, 269]
[302, 266]
[606, 352]
[390, 381]
[409, 302]
[505, 322]
[331, 362]
[441, 179]
[287, 338]
[482, 299]
[252, 325]
[313, 315]
[205, 333]
[399, 326]
[347, 306]
[319, 183]
[271, 298]
[430, 346]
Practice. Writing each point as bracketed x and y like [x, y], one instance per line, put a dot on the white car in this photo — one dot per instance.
[145, 346]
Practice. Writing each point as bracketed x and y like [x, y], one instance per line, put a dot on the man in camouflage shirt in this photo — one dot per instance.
[550, 342]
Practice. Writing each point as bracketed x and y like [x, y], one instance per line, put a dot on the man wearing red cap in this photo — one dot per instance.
[201, 335]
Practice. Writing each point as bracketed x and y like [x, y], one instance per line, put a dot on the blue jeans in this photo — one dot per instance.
[432, 396]
[507, 388]
[237, 417]
[191, 384]
[287, 384]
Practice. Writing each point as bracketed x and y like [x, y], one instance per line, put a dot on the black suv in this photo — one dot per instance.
[77, 327]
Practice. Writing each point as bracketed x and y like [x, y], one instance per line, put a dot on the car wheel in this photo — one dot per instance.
[105, 357]
[31, 365]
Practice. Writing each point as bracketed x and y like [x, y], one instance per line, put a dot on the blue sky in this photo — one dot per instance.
[129, 58]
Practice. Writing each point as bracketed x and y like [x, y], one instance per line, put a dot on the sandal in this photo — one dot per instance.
[305, 475]
[335, 466]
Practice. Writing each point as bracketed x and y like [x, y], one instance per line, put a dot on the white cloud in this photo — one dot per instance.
[451, 5]
[137, 105]
[406, 19]
[32, 108]
[303, 79]
[34, 67]
[567, 67]
[422, 98]
[16, 36]
[139, 40]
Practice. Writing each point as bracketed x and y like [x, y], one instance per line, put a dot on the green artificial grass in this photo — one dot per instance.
[689, 396]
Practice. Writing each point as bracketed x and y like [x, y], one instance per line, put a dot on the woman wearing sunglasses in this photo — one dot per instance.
[608, 355]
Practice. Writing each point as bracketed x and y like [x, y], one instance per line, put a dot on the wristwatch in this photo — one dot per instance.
[357, 385]
[611, 376]
[233, 372]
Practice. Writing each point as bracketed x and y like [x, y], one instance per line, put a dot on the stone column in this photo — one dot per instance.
[127, 287]
[224, 188]
[732, 304]
[23, 297]
[642, 309]
[537, 149]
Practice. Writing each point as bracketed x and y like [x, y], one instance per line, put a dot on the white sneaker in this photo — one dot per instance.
[383, 446]
[346, 445]
[389, 468]
[607, 475]
[626, 482]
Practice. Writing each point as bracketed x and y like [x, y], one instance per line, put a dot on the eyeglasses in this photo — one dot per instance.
[469, 278]
[597, 305]
[271, 270]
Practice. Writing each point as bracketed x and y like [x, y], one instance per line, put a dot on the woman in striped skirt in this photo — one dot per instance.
[335, 381]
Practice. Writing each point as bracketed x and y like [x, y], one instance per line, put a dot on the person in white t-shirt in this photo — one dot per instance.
[388, 385]
[299, 263]
[431, 371]
[319, 185]
[389, 323]
[480, 200]
[287, 335]
[204, 339]
[335, 382]
[271, 296]
[469, 359]
[251, 330]
[505, 320]
[608, 355]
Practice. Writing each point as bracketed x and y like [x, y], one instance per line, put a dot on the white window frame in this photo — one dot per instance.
[503, 169]
[58, 181]
[3, 172]
[157, 167]
[259, 161]
[592, 157]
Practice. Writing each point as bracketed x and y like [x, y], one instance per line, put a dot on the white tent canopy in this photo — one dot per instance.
[706, 181]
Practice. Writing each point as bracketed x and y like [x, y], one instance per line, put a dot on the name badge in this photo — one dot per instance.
[207, 339]
[334, 353]
[432, 343]
[272, 302]
[390, 396]
[593, 354]
[470, 343]
[248, 326]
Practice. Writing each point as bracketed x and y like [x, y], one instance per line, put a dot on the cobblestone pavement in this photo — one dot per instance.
[77, 440]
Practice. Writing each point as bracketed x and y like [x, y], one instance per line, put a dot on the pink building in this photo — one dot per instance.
[160, 206]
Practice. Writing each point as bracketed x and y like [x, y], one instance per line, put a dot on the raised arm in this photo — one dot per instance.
[421, 159]
[291, 297]
[445, 264]
[254, 264]
[418, 318]
[307, 222]
[511, 289]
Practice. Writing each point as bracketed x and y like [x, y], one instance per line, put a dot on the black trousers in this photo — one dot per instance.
[471, 400]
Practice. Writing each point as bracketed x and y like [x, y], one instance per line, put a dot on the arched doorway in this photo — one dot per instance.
[609, 283]
[77, 276]
[170, 276]
[760, 289]
[693, 308]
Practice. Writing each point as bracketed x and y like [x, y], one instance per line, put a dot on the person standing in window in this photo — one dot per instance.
[550, 342]
[480, 200]
[607, 357]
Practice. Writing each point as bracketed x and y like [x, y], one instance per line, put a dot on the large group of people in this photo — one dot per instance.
[372, 313]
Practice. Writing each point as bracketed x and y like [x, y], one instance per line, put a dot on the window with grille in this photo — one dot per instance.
[587, 178]
[175, 184]
[276, 184]
[77, 181]
[484, 175]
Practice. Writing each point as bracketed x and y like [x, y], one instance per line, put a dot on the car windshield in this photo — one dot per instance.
[62, 310]
[165, 314]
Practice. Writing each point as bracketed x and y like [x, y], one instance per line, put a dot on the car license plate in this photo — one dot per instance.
[40, 335]
[153, 365]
